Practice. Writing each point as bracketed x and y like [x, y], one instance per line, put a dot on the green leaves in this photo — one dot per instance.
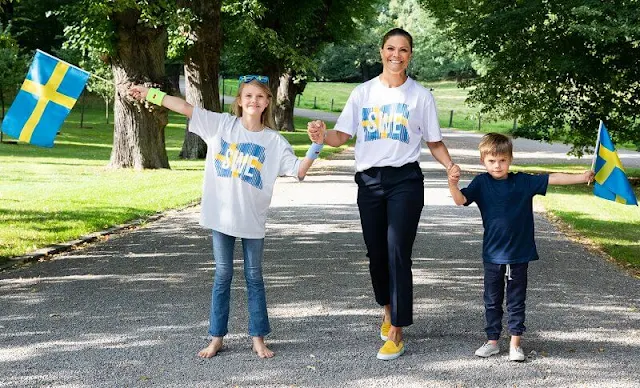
[90, 24]
[559, 66]
[285, 34]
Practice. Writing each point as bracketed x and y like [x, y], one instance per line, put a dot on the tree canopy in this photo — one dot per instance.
[559, 66]
[434, 56]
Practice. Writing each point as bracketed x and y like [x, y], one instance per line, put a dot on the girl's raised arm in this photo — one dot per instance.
[172, 103]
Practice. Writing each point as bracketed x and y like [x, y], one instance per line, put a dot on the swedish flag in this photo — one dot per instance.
[611, 180]
[44, 101]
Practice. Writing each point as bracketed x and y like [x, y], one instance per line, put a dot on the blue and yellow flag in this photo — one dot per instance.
[45, 99]
[611, 180]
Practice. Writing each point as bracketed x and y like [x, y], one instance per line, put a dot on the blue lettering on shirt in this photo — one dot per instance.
[241, 160]
[386, 122]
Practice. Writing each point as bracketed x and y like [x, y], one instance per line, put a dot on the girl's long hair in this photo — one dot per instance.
[266, 118]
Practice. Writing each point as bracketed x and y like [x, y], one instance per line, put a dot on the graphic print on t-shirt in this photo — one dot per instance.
[386, 122]
[241, 160]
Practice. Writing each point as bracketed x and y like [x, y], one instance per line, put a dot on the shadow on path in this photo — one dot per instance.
[133, 310]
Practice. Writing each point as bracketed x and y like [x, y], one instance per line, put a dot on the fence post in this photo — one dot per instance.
[451, 119]
[515, 123]
[479, 120]
[299, 95]
[314, 103]
[222, 97]
[332, 104]
[82, 101]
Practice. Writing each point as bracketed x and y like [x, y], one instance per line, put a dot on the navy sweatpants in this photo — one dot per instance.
[494, 286]
[390, 200]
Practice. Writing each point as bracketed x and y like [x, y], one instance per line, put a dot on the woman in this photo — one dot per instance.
[390, 115]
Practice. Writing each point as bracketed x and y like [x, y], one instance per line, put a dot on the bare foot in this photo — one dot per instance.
[213, 348]
[260, 348]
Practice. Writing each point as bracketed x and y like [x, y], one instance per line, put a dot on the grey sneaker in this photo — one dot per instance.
[488, 349]
[516, 354]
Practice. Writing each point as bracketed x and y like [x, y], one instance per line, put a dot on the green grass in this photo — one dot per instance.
[447, 94]
[54, 195]
[612, 227]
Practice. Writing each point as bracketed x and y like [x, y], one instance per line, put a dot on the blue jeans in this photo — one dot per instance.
[257, 302]
[494, 287]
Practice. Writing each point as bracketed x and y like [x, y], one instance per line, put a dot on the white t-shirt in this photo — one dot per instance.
[240, 171]
[389, 123]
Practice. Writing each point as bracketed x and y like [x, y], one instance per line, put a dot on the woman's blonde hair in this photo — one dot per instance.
[267, 115]
[495, 144]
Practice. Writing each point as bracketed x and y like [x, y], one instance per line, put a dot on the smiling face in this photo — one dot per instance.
[395, 54]
[497, 165]
[253, 99]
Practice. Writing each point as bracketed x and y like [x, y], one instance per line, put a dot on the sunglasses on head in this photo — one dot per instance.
[263, 79]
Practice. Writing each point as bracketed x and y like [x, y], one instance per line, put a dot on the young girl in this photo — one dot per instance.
[244, 158]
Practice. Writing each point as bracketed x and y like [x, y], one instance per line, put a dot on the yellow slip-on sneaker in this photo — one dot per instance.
[389, 351]
[384, 330]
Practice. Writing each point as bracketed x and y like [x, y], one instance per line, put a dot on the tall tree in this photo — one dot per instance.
[559, 66]
[201, 41]
[32, 23]
[132, 35]
[282, 47]
[434, 57]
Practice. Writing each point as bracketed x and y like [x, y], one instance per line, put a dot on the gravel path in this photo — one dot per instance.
[132, 310]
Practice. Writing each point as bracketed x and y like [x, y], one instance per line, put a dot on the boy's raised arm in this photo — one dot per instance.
[559, 178]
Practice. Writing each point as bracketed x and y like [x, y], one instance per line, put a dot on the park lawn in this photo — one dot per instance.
[49, 196]
[612, 227]
[449, 97]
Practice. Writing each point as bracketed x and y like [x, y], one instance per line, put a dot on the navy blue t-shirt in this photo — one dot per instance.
[506, 207]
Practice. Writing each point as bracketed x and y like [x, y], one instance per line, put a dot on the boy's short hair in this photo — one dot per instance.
[495, 144]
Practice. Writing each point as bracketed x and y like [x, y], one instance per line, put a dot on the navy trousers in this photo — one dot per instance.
[494, 287]
[390, 200]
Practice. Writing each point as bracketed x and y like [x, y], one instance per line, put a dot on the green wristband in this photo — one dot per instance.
[155, 96]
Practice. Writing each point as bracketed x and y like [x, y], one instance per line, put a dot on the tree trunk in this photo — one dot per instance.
[201, 68]
[285, 101]
[138, 138]
[173, 76]
[273, 71]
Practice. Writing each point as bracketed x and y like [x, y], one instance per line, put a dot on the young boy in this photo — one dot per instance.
[505, 201]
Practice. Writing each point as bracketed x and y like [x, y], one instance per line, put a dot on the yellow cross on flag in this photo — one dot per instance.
[611, 180]
[44, 101]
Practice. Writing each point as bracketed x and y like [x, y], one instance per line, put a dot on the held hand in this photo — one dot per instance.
[453, 171]
[588, 176]
[453, 174]
[138, 92]
[316, 130]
